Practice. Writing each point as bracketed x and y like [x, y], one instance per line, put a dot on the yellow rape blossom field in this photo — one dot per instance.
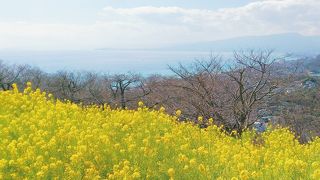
[43, 138]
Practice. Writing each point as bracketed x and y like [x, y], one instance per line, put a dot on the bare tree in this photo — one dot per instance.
[98, 89]
[36, 76]
[231, 94]
[126, 88]
[201, 87]
[69, 85]
[251, 84]
[9, 75]
[160, 93]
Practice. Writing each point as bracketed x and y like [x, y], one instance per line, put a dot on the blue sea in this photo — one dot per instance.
[104, 61]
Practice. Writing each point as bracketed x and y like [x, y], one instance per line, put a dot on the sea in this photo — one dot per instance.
[145, 62]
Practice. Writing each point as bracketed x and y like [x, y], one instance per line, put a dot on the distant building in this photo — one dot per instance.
[261, 125]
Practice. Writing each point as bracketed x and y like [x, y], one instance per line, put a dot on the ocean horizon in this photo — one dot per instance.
[145, 62]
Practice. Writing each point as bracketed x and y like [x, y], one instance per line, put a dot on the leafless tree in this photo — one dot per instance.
[69, 85]
[252, 82]
[126, 88]
[36, 76]
[160, 93]
[9, 75]
[98, 89]
[201, 85]
[231, 92]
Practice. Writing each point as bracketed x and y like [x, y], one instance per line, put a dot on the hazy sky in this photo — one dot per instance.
[91, 24]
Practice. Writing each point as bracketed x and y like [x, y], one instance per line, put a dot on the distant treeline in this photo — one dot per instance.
[231, 94]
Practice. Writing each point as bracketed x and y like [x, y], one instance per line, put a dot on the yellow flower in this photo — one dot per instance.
[316, 174]
[62, 140]
[40, 174]
[126, 163]
[202, 168]
[178, 113]
[140, 104]
[29, 84]
[244, 175]
[162, 109]
[315, 165]
[15, 88]
[171, 172]
[136, 175]
[186, 167]
[193, 162]
[211, 120]
[3, 163]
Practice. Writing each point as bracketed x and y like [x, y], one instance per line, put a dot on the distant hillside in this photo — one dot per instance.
[313, 64]
[286, 43]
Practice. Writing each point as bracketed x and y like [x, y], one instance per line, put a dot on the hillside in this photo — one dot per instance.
[285, 43]
[43, 139]
[313, 64]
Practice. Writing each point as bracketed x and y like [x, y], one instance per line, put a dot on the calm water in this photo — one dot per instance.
[106, 61]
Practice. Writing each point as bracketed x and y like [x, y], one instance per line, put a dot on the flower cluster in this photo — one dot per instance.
[43, 138]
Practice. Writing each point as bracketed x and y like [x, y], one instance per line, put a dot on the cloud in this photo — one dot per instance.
[149, 26]
[261, 17]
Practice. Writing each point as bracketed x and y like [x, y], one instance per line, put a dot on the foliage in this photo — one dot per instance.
[41, 138]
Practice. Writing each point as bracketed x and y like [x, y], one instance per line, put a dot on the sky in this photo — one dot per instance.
[143, 24]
